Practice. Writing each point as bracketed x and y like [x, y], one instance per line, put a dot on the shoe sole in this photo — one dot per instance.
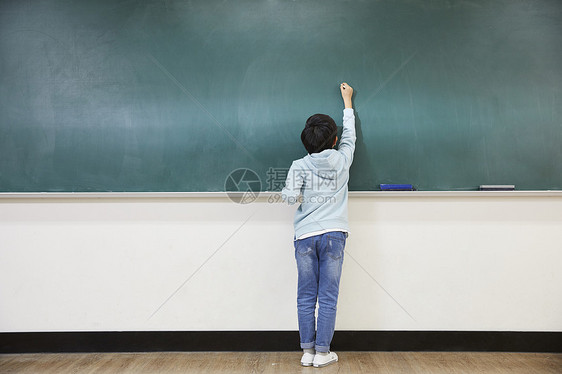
[306, 364]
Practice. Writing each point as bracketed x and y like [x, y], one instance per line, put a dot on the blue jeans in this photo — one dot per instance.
[319, 265]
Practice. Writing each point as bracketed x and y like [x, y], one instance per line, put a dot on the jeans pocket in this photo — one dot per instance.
[336, 245]
[303, 248]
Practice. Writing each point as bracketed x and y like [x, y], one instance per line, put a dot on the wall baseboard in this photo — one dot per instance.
[164, 341]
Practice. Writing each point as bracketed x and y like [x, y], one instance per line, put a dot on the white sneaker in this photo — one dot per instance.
[307, 359]
[325, 360]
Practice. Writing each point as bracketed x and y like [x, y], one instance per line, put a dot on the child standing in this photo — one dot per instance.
[319, 182]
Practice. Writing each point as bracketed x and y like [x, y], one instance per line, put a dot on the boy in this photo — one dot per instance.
[319, 182]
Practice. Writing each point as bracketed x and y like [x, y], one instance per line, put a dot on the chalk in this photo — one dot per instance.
[397, 187]
[497, 187]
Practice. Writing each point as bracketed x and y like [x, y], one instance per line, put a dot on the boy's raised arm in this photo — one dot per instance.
[347, 142]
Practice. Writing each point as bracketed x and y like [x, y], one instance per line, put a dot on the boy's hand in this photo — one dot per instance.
[346, 94]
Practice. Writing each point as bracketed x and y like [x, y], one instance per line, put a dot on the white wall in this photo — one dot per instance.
[412, 263]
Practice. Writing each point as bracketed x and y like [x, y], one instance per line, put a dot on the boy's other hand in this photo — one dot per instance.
[346, 94]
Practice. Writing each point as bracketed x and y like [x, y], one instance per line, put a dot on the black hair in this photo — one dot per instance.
[319, 133]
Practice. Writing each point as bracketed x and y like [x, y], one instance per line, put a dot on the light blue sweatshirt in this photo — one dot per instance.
[319, 182]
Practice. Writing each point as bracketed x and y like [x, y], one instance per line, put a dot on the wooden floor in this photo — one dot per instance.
[282, 362]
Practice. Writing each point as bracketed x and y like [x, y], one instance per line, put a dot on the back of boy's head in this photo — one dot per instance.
[319, 133]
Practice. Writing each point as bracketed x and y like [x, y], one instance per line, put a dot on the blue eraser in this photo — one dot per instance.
[397, 187]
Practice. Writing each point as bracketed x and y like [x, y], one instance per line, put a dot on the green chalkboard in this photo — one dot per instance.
[174, 95]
